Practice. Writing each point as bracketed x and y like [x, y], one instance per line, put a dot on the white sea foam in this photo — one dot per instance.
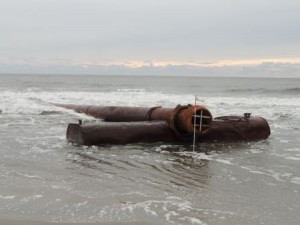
[171, 214]
[131, 90]
[295, 157]
[295, 180]
[292, 149]
[224, 161]
[150, 207]
[202, 156]
[282, 177]
[255, 151]
[292, 158]
[37, 102]
[193, 220]
[7, 197]
[31, 198]
[173, 208]
[80, 204]
[283, 141]
[29, 175]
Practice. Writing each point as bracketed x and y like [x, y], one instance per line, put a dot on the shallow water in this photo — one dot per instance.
[45, 178]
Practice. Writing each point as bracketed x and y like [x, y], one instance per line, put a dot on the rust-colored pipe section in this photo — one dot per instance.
[180, 119]
[227, 128]
[236, 128]
[157, 124]
[120, 133]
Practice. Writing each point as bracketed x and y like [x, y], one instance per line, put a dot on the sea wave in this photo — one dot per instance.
[292, 90]
[286, 91]
[50, 112]
[39, 102]
[131, 90]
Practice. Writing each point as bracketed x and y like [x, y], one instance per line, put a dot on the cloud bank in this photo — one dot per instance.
[245, 68]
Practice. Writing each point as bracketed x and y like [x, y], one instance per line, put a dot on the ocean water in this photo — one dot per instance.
[45, 178]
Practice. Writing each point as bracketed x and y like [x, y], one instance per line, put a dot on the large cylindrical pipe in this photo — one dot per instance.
[236, 128]
[120, 133]
[110, 113]
[227, 128]
[180, 119]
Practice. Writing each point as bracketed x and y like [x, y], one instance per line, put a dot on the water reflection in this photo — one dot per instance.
[144, 164]
[145, 180]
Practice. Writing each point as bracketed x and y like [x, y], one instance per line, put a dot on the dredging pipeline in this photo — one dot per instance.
[227, 128]
[180, 119]
[236, 128]
[124, 125]
[120, 133]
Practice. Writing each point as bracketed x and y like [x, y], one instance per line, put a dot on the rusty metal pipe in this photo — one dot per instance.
[120, 133]
[236, 128]
[228, 128]
[180, 119]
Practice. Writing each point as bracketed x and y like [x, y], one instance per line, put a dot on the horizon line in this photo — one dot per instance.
[135, 64]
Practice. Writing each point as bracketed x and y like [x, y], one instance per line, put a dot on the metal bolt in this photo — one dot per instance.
[247, 115]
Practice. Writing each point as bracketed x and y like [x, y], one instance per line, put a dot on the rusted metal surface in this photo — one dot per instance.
[120, 133]
[143, 124]
[228, 128]
[180, 119]
[236, 128]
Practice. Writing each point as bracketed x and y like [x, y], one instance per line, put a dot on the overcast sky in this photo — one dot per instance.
[138, 32]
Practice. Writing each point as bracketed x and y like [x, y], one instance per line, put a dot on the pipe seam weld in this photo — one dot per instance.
[149, 113]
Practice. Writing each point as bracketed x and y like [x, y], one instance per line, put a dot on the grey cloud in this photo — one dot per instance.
[142, 30]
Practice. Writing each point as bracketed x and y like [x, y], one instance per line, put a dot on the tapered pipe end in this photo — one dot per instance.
[74, 134]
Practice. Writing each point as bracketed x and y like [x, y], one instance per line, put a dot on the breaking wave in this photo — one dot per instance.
[285, 91]
[292, 90]
[45, 113]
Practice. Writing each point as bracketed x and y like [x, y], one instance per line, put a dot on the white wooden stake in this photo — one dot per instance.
[194, 140]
